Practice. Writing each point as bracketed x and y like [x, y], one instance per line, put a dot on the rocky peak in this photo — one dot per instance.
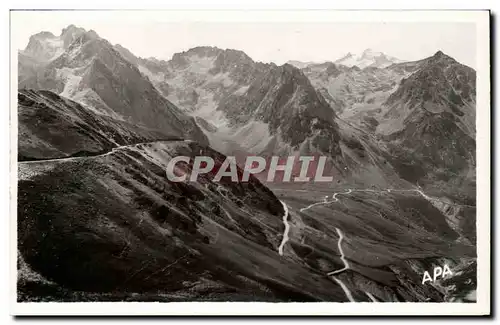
[440, 80]
[332, 69]
[89, 39]
[237, 63]
[70, 29]
[129, 56]
[43, 46]
[371, 54]
[92, 34]
[439, 54]
[440, 58]
[155, 60]
[289, 74]
[203, 51]
[181, 59]
[229, 56]
[345, 57]
[70, 34]
[237, 55]
[43, 35]
[289, 69]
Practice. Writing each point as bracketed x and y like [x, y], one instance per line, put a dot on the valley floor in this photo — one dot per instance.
[382, 242]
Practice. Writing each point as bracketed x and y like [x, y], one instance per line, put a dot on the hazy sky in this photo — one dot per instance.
[163, 34]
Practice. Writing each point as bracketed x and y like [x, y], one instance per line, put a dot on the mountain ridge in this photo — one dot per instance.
[93, 73]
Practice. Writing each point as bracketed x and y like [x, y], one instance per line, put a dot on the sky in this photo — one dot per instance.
[264, 39]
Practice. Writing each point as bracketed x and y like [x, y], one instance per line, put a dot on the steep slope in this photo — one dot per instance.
[295, 115]
[27, 67]
[429, 123]
[91, 72]
[51, 126]
[115, 228]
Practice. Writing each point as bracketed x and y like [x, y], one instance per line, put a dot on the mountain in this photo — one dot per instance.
[432, 99]
[197, 79]
[289, 109]
[91, 72]
[368, 58]
[430, 119]
[300, 64]
[239, 97]
[274, 110]
[285, 101]
[440, 85]
[51, 127]
[43, 48]
[414, 120]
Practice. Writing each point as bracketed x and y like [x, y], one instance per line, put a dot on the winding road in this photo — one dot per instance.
[27, 162]
[346, 267]
[349, 191]
[371, 297]
[346, 289]
[287, 229]
[342, 254]
[341, 234]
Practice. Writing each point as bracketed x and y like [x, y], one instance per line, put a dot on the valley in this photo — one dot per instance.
[379, 222]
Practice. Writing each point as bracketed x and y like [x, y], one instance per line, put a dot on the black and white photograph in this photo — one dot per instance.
[326, 160]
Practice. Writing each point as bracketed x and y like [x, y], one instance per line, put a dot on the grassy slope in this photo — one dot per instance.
[115, 225]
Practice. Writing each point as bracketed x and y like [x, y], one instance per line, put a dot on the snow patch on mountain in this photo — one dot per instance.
[368, 58]
[242, 90]
[71, 81]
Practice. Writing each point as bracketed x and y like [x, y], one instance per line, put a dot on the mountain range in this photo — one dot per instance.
[368, 58]
[98, 218]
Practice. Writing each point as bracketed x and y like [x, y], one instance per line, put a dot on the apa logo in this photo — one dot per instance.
[438, 271]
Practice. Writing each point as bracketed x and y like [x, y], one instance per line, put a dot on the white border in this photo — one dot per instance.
[482, 307]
